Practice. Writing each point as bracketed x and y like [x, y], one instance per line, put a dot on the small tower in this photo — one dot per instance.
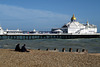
[87, 23]
[73, 18]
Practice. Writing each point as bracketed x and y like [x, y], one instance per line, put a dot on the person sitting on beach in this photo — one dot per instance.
[23, 49]
[17, 48]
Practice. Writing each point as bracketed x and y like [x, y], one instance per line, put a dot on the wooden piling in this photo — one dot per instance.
[39, 49]
[83, 50]
[77, 50]
[47, 49]
[55, 48]
[63, 50]
[70, 49]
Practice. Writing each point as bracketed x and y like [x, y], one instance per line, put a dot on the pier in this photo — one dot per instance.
[47, 36]
[71, 30]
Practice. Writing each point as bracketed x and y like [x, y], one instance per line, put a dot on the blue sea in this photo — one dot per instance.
[92, 45]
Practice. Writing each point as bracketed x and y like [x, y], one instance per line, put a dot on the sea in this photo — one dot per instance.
[91, 44]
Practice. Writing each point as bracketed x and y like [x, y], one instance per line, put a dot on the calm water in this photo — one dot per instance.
[93, 45]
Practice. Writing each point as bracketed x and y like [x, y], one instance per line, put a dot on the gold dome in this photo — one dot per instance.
[73, 18]
[87, 22]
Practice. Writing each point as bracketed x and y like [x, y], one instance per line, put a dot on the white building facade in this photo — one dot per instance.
[1, 30]
[74, 27]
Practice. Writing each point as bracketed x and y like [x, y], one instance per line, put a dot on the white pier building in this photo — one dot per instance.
[74, 27]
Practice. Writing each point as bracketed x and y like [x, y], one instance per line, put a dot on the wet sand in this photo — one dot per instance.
[40, 58]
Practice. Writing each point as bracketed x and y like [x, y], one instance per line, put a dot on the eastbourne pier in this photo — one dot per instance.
[71, 30]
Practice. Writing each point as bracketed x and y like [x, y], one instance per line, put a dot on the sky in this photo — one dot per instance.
[43, 15]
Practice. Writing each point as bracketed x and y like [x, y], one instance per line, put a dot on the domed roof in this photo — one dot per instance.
[73, 18]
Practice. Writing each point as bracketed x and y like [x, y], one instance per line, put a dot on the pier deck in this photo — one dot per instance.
[47, 36]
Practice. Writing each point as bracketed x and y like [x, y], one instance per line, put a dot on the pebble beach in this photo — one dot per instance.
[41, 58]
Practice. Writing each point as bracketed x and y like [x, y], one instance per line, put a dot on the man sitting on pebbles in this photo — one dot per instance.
[23, 49]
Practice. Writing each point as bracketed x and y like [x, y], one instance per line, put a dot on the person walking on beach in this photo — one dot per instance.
[17, 48]
[23, 49]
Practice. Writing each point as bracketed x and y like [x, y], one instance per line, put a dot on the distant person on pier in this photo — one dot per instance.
[17, 48]
[23, 49]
